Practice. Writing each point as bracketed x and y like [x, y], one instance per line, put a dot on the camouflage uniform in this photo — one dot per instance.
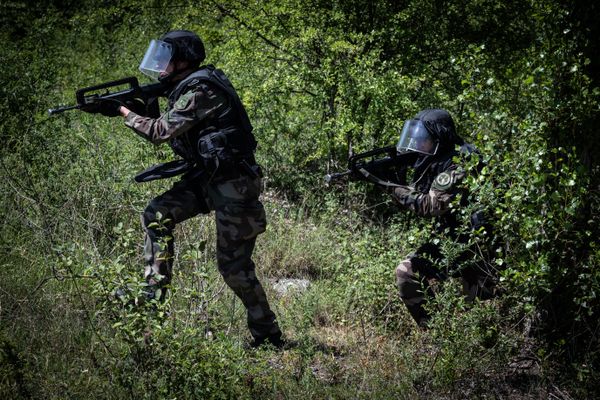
[436, 185]
[230, 188]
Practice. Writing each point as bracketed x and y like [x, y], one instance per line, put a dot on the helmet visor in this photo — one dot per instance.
[415, 137]
[156, 59]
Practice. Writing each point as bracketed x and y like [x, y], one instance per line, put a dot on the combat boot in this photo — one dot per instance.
[274, 340]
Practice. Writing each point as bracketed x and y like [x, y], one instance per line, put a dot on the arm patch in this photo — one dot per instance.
[183, 102]
[443, 181]
[446, 180]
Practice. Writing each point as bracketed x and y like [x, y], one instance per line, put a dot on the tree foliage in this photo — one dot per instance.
[318, 78]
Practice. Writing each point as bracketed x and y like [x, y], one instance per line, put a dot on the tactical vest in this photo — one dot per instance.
[423, 181]
[221, 139]
[423, 178]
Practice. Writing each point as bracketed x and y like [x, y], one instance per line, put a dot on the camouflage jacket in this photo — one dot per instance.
[436, 183]
[433, 200]
[206, 123]
[186, 114]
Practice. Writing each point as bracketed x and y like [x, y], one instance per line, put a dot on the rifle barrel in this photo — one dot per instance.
[59, 110]
[329, 178]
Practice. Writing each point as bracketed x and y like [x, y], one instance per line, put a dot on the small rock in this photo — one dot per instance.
[284, 286]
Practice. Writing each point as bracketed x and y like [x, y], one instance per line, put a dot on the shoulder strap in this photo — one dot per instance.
[191, 80]
[221, 79]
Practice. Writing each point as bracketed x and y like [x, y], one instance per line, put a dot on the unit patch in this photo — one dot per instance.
[447, 180]
[443, 181]
[183, 102]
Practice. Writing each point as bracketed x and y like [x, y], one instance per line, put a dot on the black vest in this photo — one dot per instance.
[429, 168]
[228, 134]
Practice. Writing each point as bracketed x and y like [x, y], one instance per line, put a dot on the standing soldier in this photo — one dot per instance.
[436, 183]
[207, 126]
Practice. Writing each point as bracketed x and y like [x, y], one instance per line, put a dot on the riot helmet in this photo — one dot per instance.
[169, 48]
[430, 132]
[416, 137]
[187, 46]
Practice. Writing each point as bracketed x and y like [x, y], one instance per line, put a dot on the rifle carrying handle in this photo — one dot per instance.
[81, 93]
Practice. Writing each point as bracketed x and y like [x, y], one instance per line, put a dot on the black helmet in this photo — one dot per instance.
[187, 46]
[441, 125]
[430, 132]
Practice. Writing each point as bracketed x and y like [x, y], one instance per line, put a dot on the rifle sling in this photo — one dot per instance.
[374, 179]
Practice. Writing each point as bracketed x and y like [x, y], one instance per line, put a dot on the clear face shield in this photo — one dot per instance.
[415, 137]
[156, 59]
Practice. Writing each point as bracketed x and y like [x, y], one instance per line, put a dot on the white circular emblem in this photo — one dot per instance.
[443, 179]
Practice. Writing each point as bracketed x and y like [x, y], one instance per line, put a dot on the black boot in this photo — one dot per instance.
[274, 340]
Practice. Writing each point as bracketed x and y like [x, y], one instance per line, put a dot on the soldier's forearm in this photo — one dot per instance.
[431, 204]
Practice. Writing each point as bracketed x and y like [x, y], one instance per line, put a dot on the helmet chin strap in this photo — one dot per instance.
[166, 79]
[175, 75]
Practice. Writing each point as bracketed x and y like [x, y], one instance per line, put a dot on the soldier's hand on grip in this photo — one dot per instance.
[106, 107]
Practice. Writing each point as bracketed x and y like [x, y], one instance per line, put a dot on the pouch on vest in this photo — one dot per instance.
[164, 170]
[217, 156]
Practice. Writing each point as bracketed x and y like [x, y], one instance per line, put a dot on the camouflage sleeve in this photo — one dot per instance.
[191, 108]
[435, 202]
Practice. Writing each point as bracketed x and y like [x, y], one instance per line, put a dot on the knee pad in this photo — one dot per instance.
[404, 270]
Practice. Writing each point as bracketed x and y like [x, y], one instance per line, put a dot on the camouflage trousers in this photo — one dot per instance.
[415, 275]
[240, 218]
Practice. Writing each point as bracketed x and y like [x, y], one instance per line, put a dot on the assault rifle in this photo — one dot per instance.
[384, 166]
[142, 100]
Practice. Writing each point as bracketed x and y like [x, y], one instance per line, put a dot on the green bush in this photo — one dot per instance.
[318, 78]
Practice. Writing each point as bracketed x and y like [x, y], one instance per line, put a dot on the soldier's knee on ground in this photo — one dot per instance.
[409, 287]
[404, 272]
[411, 291]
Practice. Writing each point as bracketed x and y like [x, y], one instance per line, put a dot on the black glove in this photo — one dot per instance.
[110, 108]
[106, 107]
[137, 106]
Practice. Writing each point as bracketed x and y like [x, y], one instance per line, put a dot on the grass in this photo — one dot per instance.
[353, 338]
